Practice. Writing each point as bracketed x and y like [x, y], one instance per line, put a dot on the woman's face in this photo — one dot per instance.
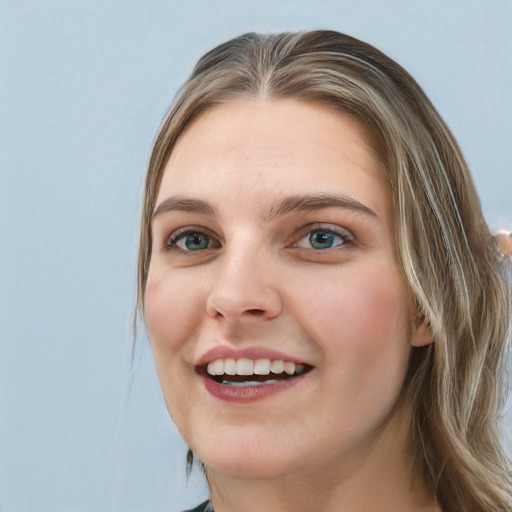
[273, 254]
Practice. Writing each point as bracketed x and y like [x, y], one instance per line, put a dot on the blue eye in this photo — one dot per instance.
[191, 241]
[323, 239]
[194, 242]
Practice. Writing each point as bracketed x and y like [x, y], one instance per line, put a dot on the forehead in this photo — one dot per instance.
[261, 149]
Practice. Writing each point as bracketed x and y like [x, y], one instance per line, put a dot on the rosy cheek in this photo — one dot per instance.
[172, 310]
[161, 312]
[156, 304]
[380, 310]
[363, 314]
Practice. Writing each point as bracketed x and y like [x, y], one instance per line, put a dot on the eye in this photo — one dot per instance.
[322, 238]
[191, 240]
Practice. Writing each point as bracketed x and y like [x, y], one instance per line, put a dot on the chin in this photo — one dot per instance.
[245, 459]
[246, 468]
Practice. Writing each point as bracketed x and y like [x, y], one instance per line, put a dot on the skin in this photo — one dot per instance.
[338, 439]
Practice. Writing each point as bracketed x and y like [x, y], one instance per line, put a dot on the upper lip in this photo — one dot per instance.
[224, 351]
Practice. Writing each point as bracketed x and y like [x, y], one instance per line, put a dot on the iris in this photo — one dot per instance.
[324, 239]
[196, 241]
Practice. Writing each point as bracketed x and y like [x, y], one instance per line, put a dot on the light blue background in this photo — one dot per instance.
[84, 86]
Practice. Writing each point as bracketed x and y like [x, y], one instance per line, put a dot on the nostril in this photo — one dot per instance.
[255, 312]
[236, 304]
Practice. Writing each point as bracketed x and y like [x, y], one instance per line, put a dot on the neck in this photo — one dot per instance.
[381, 477]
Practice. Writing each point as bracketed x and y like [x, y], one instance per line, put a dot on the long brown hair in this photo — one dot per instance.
[458, 283]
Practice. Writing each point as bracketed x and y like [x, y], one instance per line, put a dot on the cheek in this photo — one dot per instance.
[172, 312]
[361, 317]
[172, 309]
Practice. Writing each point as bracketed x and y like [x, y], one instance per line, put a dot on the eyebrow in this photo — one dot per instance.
[184, 205]
[312, 202]
[298, 203]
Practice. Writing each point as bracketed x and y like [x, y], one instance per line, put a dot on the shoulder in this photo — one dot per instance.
[204, 507]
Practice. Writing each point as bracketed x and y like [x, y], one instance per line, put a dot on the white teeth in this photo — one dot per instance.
[229, 366]
[244, 366]
[216, 367]
[262, 366]
[289, 368]
[277, 367]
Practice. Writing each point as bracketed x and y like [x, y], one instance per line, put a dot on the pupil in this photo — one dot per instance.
[321, 240]
[196, 241]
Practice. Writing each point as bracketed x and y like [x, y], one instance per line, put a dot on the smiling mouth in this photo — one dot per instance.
[245, 372]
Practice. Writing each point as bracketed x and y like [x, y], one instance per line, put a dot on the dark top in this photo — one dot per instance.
[204, 507]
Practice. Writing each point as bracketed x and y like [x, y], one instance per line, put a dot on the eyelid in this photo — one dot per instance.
[340, 231]
[170, 242]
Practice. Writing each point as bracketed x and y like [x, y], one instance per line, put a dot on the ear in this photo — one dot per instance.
[421, 332]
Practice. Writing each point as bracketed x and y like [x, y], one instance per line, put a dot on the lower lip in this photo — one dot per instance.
[244, 394]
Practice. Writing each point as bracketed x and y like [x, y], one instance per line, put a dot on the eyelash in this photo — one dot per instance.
[172, 243]
[343, 234]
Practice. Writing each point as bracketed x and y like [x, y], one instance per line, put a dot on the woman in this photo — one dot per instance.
[326, 307]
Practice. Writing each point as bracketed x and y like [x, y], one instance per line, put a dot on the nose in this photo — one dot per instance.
[244, 288]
